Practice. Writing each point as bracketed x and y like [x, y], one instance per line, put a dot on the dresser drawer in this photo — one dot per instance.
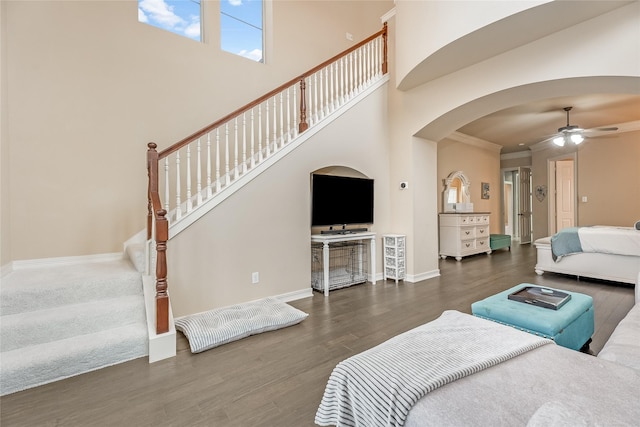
[481, 232]
[468, 247]
[482, 244]
[467, 233]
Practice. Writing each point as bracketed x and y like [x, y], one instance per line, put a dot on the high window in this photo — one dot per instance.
[241, 28]
[178, 16]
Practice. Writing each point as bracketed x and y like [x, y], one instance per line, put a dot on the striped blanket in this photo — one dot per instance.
[378, 387]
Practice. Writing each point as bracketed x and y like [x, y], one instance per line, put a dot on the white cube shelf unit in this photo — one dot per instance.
[394, 256]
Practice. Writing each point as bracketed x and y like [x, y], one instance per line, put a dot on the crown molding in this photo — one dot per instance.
[472, 140]
[516, 155]
[384, 18]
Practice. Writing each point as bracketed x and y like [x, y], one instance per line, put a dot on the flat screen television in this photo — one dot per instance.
[341, 200]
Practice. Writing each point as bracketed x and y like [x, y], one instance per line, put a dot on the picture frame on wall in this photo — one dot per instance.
[485, 190]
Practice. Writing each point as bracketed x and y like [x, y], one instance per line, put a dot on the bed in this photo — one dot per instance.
[417, 379]
[599, 252]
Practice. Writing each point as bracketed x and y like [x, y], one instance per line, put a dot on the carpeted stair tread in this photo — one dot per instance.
[43, 363]
[37, 289]
[42, 326]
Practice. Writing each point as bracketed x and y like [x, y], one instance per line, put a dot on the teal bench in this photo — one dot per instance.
[499, 241]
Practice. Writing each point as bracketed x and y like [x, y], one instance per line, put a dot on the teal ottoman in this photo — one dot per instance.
[499, 241]
[570, 326]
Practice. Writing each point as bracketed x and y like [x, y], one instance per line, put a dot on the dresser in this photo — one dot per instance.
[463, 234]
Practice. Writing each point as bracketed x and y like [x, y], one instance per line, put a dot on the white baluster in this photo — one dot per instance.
[281, 119]
[209, 189]
[266, 127]
[244, 143]
[359, 70]
[295, 111]
[377, 60]
[289, 129]
[351, 55]
[218, 186]
[253, 140]
[321, 100]
[369, 61]
[198, 175]
[178, 201]
[188, 178]
[325, 83]
[341, 66]
[227, 179]
[260, 157]
[315, 98]
[275, 127]
[166, 184]
[332, 105]
[236, 144]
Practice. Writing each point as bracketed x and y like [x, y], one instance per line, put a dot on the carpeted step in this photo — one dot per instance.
[44, 363]
[42, 326]
[37, 289]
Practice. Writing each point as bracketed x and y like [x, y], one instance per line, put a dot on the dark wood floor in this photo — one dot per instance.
[277, 378]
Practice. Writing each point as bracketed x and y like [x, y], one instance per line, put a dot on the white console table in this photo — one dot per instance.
[328, 239]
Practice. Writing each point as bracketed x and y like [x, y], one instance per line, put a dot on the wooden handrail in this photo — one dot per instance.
[178, 145]
[157, 222]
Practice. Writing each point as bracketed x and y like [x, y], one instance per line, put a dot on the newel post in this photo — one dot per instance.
[162, 298]
[384, 49]
[303, 107]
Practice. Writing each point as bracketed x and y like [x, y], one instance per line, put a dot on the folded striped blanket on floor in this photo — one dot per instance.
[378, 387]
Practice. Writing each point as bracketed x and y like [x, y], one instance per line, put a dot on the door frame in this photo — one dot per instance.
[551, 185]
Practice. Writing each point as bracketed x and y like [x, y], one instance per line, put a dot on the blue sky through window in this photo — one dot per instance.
[178, 16]
[241, 28]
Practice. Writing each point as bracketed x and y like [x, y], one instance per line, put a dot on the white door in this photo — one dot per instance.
[565, 195]
[524, 205]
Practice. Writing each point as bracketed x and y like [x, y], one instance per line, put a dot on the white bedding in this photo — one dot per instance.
[610, 240]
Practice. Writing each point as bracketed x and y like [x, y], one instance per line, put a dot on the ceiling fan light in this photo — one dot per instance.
[559, 141]
[577, 138]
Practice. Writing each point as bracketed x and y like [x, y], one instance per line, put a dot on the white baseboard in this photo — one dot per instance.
[413, 278]
[295, 295]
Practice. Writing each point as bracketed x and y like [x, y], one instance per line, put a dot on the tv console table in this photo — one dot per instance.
[328, 240]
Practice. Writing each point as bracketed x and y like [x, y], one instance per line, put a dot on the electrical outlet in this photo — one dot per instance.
[255, 277]
[349, 36]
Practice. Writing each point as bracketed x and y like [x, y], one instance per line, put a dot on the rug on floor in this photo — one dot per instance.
[216, 327]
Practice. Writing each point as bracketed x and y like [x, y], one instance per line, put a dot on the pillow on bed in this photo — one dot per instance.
[222, 325]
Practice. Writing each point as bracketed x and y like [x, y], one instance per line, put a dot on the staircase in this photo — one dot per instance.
[61, 321]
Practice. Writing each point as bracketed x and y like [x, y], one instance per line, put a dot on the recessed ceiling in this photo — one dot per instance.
[518, 128]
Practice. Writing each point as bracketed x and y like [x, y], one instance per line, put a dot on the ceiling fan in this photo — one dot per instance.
[573, 133]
